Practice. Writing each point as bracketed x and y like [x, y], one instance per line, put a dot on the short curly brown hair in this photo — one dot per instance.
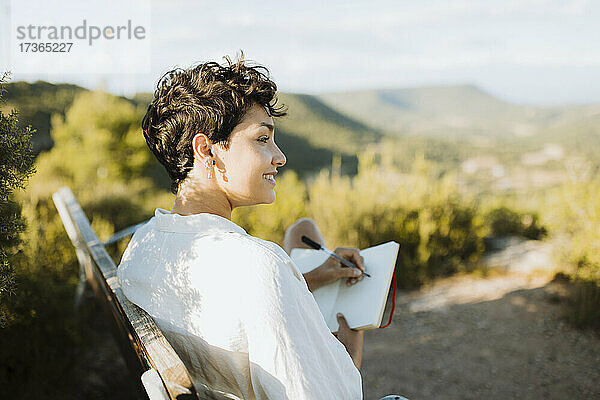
[208, 98]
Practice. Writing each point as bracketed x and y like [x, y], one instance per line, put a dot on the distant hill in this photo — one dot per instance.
[312, 132]
[462, 110]
[455, 124]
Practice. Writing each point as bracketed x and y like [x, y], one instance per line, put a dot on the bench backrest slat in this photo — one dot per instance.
[146, 340]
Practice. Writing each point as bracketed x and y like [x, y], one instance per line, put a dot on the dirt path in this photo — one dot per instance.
[496, 338]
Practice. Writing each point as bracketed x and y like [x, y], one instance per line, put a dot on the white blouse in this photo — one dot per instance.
[236, 309]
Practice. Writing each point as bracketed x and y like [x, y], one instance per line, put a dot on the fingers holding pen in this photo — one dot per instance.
[333, 269]
[353, 255]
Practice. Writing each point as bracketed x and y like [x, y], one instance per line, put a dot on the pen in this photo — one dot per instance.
[317, 246]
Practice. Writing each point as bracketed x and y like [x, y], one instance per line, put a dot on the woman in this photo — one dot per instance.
[234, 307]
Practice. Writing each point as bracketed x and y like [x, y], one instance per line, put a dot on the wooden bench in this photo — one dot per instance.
[147, 353]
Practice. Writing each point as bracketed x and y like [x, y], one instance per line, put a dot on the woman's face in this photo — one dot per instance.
[252, 153]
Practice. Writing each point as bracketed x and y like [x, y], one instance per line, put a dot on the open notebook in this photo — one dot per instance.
[363, 303]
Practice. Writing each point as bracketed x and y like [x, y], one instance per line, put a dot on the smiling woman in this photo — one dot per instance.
[235, 307]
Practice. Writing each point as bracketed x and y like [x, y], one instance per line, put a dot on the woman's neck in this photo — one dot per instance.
[198, 200]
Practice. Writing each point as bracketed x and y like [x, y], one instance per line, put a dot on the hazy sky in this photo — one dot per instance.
[534, 52]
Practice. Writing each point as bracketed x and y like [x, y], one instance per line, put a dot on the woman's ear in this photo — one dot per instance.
[201, 145]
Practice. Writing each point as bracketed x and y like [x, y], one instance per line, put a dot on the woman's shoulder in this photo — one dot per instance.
[263, 254]
[265, 247]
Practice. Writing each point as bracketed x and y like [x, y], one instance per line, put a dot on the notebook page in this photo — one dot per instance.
[362, 304]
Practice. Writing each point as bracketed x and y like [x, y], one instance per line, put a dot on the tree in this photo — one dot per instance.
[16, 165]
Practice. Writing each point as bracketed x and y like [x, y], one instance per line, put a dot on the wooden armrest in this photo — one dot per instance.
[143, 344]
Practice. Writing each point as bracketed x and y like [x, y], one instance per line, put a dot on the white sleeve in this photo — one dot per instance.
[292, 353]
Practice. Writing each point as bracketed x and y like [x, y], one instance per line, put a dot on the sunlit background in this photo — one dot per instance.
[467, 131]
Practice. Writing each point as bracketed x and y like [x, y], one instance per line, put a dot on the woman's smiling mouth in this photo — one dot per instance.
[270, 177]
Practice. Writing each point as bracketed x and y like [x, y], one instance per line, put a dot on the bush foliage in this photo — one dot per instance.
[572, 211]
[16, 165]
[101, 155]
[504, 221]
[440, 232]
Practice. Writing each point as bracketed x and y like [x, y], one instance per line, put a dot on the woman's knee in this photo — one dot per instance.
[303, 223]
[302, 226]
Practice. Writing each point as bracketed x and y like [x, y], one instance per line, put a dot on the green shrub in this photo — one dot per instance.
[573, 213]
[100, 153]
[440, 233]
[504, 221]
[16, 166]
[44, 342]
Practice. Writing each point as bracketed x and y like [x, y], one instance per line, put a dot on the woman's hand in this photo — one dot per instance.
[332, 270]
[351, 339]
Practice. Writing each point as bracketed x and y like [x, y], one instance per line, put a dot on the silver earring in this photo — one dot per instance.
[209, 168]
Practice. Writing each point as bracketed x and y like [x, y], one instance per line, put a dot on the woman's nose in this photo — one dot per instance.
[279, 158]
